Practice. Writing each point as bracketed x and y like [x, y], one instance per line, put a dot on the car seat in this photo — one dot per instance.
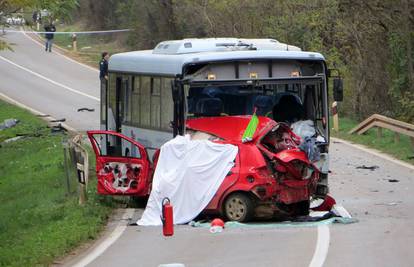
[212, 91]
[209, 107]
[264, 105]
[288, 109]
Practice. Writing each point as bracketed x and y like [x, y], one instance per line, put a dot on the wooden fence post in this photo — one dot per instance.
[335, 116]
[396, 138]
[379, 132]
[74, 42]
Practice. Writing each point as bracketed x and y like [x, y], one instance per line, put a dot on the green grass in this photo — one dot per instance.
[39, 220]
[402, 150]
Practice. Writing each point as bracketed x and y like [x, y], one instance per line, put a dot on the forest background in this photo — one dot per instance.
[370, 42]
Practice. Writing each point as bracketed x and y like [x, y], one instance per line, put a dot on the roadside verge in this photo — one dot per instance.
[40, 218]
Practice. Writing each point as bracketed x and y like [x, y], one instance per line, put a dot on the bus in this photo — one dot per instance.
[151, 94]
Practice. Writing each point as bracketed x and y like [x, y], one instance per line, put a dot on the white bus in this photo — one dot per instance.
[151, 93]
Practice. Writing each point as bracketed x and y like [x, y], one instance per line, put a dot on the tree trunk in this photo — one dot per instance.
[408, 43]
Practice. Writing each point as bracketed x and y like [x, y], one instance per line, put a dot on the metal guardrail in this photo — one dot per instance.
[76, 160]
[380, 122]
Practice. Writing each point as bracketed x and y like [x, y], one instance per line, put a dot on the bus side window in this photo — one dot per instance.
[126, 93]
[167, 110]
[145, 105]
[135, 100]
[155, 103]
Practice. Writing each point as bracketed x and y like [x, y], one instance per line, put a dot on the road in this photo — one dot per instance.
[49, 83]
[383, 236]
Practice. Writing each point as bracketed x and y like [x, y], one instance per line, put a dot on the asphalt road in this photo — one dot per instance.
[383, 236]
[49, 83]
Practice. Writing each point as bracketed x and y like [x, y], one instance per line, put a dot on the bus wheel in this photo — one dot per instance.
[239, 207]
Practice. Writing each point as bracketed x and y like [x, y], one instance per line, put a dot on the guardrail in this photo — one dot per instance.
[76, 159]
[380, 122]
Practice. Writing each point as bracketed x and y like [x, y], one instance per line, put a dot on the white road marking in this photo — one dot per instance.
[34, 111]
[375, 153]
[50, 80]
[54, 52]
[322, 247]
[116, 233]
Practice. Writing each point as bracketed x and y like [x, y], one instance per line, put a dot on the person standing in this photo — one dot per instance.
[103, 67]
[49, 29]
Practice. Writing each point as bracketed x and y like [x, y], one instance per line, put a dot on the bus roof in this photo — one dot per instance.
[171, 64]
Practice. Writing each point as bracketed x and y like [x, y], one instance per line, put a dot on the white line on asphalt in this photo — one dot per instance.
[116, 233]
[322, 247]
[33, 111]
[54, 52]
[49, 80]
[375, 153]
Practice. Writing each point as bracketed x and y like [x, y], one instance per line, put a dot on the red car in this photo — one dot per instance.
[271, 177]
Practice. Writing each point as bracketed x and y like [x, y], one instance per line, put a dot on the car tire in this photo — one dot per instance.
[239, 207]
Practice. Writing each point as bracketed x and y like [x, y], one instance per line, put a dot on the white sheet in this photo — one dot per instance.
[189, 173]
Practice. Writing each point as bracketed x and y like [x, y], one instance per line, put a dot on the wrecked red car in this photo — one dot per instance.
[271, 176]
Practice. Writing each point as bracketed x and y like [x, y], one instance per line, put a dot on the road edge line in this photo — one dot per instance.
[322, 247]
[374, 152]
[36, 112]
[107, 242]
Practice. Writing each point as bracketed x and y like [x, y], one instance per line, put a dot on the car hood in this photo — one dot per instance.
[230, 128]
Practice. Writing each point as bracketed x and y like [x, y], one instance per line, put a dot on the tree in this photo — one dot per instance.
[59, 9]
[7, 8]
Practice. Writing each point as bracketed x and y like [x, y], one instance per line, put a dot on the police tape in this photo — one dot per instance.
[84, 32]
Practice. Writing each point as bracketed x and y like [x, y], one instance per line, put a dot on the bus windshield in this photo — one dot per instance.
[283, 102]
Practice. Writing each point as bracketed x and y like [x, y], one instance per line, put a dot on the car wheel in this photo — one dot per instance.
[239, 207]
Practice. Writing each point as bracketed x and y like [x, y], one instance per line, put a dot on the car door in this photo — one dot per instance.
[122, 165]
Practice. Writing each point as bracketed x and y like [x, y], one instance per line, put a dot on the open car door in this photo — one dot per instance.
[122, 165]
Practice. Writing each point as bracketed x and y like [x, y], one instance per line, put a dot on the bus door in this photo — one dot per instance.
[119, 109]
[121, 170]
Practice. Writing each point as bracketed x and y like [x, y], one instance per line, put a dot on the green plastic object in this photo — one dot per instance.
[251, 128]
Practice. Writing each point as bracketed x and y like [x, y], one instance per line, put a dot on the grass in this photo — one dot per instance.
[39, 220]
[402, 150]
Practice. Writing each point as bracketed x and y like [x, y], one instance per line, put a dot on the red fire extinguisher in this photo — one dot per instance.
[167, 218]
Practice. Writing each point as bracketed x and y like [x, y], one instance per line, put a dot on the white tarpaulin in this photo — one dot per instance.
[189, 173]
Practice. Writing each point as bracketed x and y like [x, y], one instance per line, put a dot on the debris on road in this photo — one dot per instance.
[326, 205]
[393, 180]
[57, 129]
[59, 120]
[8, 123]
[338, 214]
[86, 109]
[372, 168]
[216, 226]
[12, 139]
[389, 204]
